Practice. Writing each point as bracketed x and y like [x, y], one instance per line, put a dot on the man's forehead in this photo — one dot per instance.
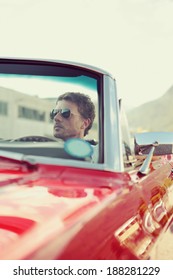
[65, 104]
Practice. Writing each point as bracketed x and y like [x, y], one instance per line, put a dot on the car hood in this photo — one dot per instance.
[40, 201]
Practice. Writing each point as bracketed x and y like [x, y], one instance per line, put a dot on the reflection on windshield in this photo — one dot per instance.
[26, 102]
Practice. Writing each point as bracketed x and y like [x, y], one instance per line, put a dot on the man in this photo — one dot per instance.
[73, 115]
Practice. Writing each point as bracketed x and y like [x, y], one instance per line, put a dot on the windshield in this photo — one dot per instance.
[27, 98]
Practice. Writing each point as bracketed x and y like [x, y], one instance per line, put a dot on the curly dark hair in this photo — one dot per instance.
[85, 106]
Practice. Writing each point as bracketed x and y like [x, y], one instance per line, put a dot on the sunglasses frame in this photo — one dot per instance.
[62, 112]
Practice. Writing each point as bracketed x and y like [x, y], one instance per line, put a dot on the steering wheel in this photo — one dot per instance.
[34, 138]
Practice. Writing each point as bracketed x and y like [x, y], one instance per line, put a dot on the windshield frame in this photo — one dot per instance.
[109, 148]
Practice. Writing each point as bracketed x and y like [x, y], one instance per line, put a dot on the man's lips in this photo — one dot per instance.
[57, 126]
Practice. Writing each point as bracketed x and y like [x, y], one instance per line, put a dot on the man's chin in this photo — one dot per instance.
[58, 135]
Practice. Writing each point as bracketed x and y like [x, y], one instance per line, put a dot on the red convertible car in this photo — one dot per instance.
[58, 203]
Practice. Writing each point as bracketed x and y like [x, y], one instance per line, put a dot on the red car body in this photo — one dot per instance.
[65, 211]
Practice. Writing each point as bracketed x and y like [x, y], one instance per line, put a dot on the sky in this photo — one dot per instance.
[131, 39]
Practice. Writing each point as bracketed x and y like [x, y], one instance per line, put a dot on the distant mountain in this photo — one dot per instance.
[156, 115]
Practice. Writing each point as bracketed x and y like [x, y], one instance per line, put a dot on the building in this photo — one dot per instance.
[23, 115]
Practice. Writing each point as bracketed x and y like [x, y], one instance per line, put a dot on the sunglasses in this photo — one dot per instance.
[65, 113]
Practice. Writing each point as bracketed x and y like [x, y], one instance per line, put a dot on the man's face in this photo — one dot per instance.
[72, 127]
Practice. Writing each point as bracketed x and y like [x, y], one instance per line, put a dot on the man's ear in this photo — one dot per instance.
[86, 123]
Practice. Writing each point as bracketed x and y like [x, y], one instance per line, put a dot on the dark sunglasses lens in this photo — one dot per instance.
[65, 113]
[53, 114]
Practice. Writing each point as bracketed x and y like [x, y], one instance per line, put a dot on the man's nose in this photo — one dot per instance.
[58, 117]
